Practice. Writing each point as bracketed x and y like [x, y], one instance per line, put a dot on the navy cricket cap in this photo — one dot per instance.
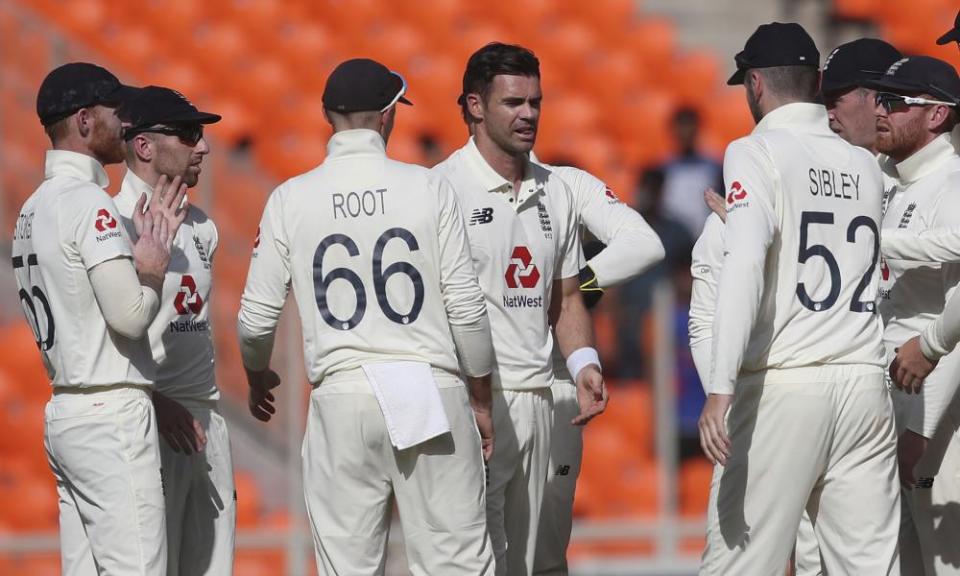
[361, 85]
[920, 74]
[856, 63]
[152, 105]
[77, 85]
[776, 44]
[953, 35]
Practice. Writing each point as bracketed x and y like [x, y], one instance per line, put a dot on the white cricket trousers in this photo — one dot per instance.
[200, 499]
[522, 422]
[556, 512]
[103, 449]
[930, 521]
[820, 438]
[351, 473]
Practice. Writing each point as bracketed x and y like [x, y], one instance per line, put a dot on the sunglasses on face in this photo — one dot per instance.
[189, 134]
[898, 103]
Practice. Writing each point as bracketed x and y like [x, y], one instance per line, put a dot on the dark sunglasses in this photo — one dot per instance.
[898, 103]
[189, 134]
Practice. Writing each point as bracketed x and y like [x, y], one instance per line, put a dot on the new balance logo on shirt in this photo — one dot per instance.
[481, 216]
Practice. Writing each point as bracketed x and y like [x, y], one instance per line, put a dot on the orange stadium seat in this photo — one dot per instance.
[856, 9]
[654, 41]
[694, 489]
[248, 499]
[695, 76]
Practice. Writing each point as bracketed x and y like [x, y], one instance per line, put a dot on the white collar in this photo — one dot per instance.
[133, 187]
[75, 165]
[491, 181]
[926, 160]
[354, 142]
[805, 116]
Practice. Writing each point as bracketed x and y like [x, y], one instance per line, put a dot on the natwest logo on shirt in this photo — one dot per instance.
[188, 300]
[521, 272]
[105, 220]
[737, 192]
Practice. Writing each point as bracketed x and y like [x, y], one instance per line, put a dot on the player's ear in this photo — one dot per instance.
[84, 119]
[386, 123]
[144, 147]
[475, 105]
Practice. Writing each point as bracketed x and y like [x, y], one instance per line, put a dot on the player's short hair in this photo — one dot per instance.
[493, 60]
[58, 130]
[799, 83]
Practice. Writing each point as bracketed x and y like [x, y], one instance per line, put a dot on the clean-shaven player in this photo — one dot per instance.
[377, 255]
[916, 110]
[89, 299]
[523, 236]
[800, 360]
[631, 246]
[164, 137]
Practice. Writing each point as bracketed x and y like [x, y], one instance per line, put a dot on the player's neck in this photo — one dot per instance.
[77, 145]
[510, 166]
[145, 172]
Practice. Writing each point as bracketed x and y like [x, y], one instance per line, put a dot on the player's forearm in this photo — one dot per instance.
[474, 344]
[942, 335]
[738, 303]
[701, 361]
[128, 307]
[573, 327]
[256, 346]
[634, 248]
[931, 245]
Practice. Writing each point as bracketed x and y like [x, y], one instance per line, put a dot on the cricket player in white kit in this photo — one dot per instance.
[378, 257]
[800, 358]
[631, 246]
[523, 236]
[89, 306]
[164, 136]
[916, 110]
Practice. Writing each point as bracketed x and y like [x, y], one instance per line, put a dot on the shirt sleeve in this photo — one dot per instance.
[268, 282]
[96, 229]
[706, 263]
[931, 245]
[632, 245]
[568, 265]
[749, 176]
[462, 296]
[938, 392]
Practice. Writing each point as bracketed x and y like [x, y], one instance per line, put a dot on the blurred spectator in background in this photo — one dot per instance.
[688, 174]
[431, 150]
[635, 297]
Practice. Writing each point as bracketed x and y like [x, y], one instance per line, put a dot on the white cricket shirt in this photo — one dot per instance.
[799, 278]
[65, 228]
[377, 256]
[913, 293]
[631, 244]
[520, 245]
[706, 261]
[180, 336]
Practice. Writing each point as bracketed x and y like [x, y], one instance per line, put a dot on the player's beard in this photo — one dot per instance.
[902, 141]
[106, 141]
[754, 104]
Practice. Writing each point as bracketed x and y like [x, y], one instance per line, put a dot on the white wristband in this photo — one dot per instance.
[579, 359]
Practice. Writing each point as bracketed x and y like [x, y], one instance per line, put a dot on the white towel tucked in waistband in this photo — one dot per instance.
[410, 401]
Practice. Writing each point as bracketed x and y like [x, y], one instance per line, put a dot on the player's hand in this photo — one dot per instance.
[591, 394]
[713, 428]
[169, 201]
[151, 254]
[260, 400]
[485, 426]
[910, 448]
[176, 424]
[911, 367]
[714, 201]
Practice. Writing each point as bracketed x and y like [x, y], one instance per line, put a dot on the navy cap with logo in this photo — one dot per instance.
[856, 63]
[361, 85]
[154, 105]
[920, 75]
[953, 35]
[776, 44]
[77, 85]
